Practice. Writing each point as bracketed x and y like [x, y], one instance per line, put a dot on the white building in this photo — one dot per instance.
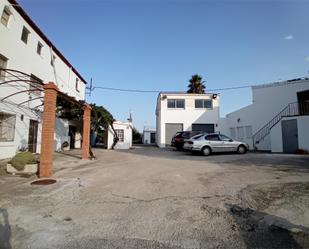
[275, 121]
[25, 48]
[124, 133]
[149, 135]
[185, 112]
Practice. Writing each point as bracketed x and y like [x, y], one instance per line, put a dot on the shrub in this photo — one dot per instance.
[20, 160]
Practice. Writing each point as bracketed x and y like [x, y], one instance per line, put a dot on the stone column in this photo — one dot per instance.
[86, 130]
[48, 129]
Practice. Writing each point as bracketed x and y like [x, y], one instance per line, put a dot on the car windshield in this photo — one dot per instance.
[197, 136]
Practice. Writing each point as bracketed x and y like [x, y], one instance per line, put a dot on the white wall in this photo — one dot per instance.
[186, 116]
[127, 143]
[268, 101]
[61, 133]
[147, 136]
[22, 121]
[303, 134]
[239, 120]
[8, 149]
[24, 57]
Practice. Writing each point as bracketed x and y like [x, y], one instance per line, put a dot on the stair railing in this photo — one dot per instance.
[292, 109]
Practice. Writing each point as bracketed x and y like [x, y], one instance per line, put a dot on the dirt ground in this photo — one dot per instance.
[153, 198]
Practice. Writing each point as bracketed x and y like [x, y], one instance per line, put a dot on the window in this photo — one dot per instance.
[5, 16]
[203, 103]
[213, 137]
[120, 134]
[77, 84]
[35, 85]
[39, 48]
[52, 60]
[248, 131]
[176, 103]
[240, 133]
[7, 127]
[25, 34]
[3, 65]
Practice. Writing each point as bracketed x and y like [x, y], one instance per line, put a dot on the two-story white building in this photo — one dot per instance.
[179, 111]
[33, 59]
[277, 120]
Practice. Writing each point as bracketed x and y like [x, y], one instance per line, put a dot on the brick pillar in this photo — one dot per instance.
[48, 129]
[86, 130]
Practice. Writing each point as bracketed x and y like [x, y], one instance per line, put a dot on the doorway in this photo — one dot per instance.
[289, 135]
[303, 102]
[33, 135]
[152, 138]
[209, 128]
[170, 131]
[72, 134]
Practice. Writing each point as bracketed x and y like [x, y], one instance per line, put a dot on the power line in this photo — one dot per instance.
[158, 91]
[125, 90]
[230, 88]
[91, 88]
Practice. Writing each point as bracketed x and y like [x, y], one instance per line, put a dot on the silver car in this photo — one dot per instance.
[214, 143]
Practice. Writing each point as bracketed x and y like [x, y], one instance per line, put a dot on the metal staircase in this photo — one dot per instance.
[292, 109]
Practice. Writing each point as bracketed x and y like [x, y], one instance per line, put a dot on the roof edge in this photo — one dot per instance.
[280, 83]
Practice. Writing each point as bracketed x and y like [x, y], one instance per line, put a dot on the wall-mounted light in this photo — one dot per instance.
[238, 120]
[214, 96]
[22, 117]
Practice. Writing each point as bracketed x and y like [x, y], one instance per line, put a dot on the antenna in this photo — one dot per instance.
[130, 119]
[90, 88]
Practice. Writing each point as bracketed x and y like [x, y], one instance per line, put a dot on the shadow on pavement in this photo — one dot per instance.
[262, 230]
[5, 229]
[284, 162]
[69, 154]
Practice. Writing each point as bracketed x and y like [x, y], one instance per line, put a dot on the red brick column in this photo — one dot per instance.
[86, 130]
[48, 129]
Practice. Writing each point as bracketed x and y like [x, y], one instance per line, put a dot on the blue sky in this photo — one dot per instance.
[159, 44]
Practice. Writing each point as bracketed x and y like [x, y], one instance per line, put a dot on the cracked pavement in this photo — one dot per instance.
[153, 198]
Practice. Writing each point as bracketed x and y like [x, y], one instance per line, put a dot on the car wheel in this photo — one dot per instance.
[241, 149]
[206, 151]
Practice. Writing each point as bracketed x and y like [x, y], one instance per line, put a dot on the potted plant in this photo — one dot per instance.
[23, 163]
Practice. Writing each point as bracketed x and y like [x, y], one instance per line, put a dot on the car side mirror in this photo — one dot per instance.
[231, 140]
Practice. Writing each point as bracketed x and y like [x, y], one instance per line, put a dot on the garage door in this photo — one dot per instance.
[209, 128]
[170, 131]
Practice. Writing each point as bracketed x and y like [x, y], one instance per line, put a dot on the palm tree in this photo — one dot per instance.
[196, 84]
